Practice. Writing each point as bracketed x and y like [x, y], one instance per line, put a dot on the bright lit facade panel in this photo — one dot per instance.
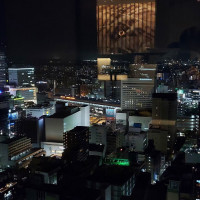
[125, 26]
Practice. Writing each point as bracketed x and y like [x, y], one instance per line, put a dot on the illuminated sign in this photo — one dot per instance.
[117, 161]
[110, 114]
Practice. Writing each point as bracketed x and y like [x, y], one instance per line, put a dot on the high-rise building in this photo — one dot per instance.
[4, 107]
[136, 93]
[164, 115]
[21, 76]
[125, 26]
[3, 67]
[76, 143]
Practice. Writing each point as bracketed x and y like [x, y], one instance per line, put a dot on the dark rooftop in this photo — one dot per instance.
[116, 175]
[45, 164]
[96, 147]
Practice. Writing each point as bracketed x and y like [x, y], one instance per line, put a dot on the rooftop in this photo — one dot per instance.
[65, 113]
[115, 175]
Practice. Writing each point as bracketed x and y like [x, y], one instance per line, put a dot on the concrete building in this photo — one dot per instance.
[40, 110]
[21, 76]
[136, 93]
[60, 123]
[17, 152]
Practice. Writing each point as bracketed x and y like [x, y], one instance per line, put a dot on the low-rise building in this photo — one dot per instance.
[17, 152]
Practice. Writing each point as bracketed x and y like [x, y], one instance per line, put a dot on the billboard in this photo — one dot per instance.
[125, 26]
[110, 114]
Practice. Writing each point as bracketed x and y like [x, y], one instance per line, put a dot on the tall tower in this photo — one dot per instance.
[3, 68]
[4, 98]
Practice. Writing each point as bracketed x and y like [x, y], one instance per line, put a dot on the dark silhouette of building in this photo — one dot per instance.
[76, 144]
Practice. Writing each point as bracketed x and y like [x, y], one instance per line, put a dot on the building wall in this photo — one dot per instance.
[54, 129]
[136, 93]
[21, 76]
[85, 116]
[136, 142]
[160, 139]
[98, 135]
[125, 26]
[3, 155]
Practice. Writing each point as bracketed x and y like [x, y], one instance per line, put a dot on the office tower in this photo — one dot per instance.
[136, 93]
[21, 76]
[125, 26]
[76, 143]
[3, 68]
[164, 116]
[4, 97]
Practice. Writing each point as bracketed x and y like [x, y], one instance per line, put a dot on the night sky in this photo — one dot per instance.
[39, 30]
[42, 29]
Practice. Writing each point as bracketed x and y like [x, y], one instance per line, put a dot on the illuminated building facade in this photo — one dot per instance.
[21, 76]
[136, 93]
[3, 67]
[27, 94]
[125, 26]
